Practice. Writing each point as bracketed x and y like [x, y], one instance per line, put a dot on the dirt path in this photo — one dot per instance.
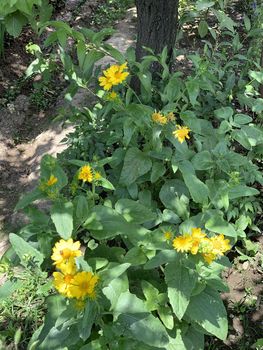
[19, 164]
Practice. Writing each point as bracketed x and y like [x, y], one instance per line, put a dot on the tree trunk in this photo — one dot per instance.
[157, 24]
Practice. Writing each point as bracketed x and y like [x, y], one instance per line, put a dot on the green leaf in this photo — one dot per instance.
[174, 195]
[203, 161]
[135, 256]
[166, 316]
[24, 249]
[202, 5]
[136, 164]
[193, 89]
[257, 75]
[105, 222]
[137, 323]
[134, 211]
[161, 258]
[111, 273]
[239, 191]
[197, 189]
[29, 198]
[242, 119]
[158, 170]
[180, 282]
[202, 29]
[151, 294]
[115, 288]
[170, 216]
[62, 217]
[224, 113]
[8, 288]
[14, 23]
[82, 207]
[207, 310]
[225, 21]
[247, 23]
[87, 320]
[217, 224]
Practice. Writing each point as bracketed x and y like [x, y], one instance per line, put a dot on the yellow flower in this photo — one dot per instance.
[197, 233]
[85, 174]
[181, 133]
[105, 83]
[83, 285]
[182, 243]
[157, 117]
[197, 236]
[112, 96]
[209, 257]
[220, 244]
[68, 266]
[168, 235]
[52, 180]
[170, 117]
[62, 283]
[64, 250]
[97, 176]
[114, 75]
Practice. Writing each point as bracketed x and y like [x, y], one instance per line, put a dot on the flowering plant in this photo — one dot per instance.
[142, 209]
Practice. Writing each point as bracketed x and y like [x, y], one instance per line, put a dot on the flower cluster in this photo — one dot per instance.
[162, 119]
[113, 76]
[87, 174]
[198, 242]
[68, 281]
[181, 133]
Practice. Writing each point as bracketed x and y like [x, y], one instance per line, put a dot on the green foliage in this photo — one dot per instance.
[143, 187]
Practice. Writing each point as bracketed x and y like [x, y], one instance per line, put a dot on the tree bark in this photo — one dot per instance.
[157, 24]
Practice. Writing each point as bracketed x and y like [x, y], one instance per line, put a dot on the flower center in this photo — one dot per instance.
[84, 285]
[66, 253]
[68, 278]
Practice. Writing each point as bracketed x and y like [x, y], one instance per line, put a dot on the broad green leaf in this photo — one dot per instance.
[82, 207]
[14, 23]
[136, 164]
[111, 273]
[161, 258]
[115, 288]
[171, 194]
[133, 211]
[166, 316]
[151, 295]
[180, 282]
[105, 222]
[138, 323]
[135, 256]
[225, 21]
[193, 89]
[29, 198]
[217, 224]
[203, 161]
[158, 170]
[197, 189]
[242, 119]
[256, 75]
[202, 5]
[62, 217]
[202, 29]
[207, 309]
[170, 216]
[87, 320]
[224, 113]
[239, 191]
[25, 250]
